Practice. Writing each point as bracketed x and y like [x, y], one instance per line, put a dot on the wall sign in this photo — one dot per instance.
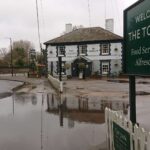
[71, 52]
[136, 54]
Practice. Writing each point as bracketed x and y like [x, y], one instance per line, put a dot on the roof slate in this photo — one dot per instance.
[85, 35]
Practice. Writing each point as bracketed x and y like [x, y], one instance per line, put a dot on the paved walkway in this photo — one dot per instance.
[115, 89]
[41, 84]
[97, 88]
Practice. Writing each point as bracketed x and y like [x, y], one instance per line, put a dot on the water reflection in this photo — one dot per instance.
[5, 94]
[24, 98]
[82, 109]
[13, 104]
[48, 121]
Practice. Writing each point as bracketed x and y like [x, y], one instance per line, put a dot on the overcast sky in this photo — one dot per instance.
[18, 17]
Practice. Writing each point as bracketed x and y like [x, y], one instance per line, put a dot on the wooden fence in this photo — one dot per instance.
[7, 70]
[133, 137]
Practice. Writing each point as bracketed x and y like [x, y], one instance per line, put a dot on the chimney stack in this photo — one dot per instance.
[68, 27]
[109, 25]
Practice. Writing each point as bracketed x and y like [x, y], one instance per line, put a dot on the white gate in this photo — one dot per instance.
[139, 139]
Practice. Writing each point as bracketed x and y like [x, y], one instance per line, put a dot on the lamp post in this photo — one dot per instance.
[61, 113]
[60, 66]
[12, 70]
[60, 71]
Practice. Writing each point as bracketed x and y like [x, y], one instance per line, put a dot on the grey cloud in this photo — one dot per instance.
[18, 17]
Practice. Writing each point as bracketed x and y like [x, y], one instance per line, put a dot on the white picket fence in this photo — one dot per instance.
[58, 85]
[139, 138]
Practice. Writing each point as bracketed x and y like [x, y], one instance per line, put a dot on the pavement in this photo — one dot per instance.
[41, 84]
[114, 88]
[98, 88]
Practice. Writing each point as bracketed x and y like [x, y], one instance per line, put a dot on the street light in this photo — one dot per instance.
[12, 70]
[60, 66]
[60, 71]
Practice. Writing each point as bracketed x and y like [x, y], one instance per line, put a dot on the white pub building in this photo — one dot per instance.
[92, 50]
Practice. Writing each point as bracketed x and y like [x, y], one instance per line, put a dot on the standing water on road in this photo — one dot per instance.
[46, 121]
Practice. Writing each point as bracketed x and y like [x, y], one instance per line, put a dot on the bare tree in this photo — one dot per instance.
[3, 51]
[20, 53]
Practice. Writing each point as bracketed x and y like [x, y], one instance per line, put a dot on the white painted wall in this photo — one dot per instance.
[96, 66]
[68, 71]
[113, 48]
[54, 68]
[106, 57]
[93, 53]
[93, 49]
[71, 50]
[69, 58]
[116, 66]
[51, 50]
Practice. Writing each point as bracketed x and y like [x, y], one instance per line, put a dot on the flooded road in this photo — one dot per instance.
[7, 86]
[39, 119]
[46, 121]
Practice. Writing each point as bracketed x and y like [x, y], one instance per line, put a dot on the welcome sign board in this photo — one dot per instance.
[136, 52]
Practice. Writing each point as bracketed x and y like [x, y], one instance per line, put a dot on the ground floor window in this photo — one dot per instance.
[105, 67]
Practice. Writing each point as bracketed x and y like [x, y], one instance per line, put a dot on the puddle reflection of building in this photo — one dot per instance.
[82, 109]
[24, 98]
[13, 104]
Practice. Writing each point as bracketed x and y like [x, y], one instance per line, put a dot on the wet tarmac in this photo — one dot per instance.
[46, 121]
[7, 86]
[39, 119]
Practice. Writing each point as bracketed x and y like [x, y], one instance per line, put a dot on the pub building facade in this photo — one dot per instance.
[92, 50]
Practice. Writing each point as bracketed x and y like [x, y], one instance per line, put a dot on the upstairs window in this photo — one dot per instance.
[82, 49]
[61, 50]
[105, 49]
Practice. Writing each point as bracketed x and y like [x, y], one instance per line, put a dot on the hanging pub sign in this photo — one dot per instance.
[136, 52]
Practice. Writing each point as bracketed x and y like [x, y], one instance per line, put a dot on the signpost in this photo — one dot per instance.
[137, 38]
[136, 54]
[60, 67]
[121, 138]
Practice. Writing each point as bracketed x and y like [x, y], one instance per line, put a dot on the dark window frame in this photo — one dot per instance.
[101, 49]
[101, 69]
[83, 49]
[61, 50]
